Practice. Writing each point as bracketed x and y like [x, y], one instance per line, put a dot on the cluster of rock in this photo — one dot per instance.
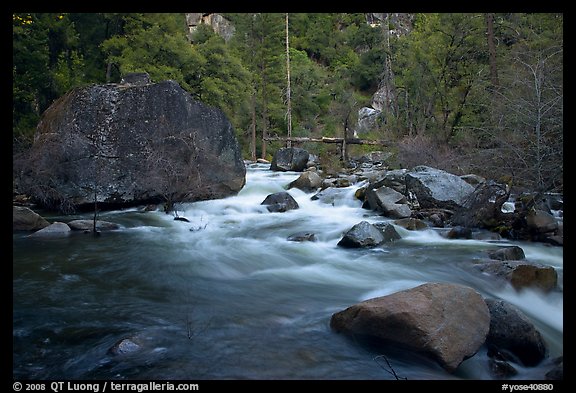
[447, 322]
[25, 219]
[441, 199]
[418, 199]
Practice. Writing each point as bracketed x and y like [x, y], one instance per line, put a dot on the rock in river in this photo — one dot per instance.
[129, 144]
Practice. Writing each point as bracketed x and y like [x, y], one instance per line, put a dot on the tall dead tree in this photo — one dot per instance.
[288, 103]
[492, 50]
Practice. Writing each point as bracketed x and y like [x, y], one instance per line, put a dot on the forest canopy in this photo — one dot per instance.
[469, 93]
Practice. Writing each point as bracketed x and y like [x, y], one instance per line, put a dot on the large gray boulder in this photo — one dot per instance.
[290, 159]
[25, 219]
[435, 188]
[446, 321]
[128, 144]
[483, 207]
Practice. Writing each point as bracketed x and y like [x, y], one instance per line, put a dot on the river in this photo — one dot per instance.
[227, 296]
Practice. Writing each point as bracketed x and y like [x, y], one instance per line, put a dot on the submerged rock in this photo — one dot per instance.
[124, 346]
[88, 225]
[302, 237]
[362, 234]
[511, 330]
[521, 274]
[280, 202]
[511, 253]
[55, 229]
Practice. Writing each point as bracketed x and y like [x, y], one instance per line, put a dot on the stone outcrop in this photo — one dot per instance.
[124, 346]
[483, 207]
[388, 231]
[540, 221]
[367, 120]
[330, 195]
[449, 322]
[221, 26]
[131, 143]
[302, 237]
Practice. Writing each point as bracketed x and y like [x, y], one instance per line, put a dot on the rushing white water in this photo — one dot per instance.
[228, 296]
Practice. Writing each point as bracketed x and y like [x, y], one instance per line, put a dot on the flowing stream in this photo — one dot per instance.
[228, 296]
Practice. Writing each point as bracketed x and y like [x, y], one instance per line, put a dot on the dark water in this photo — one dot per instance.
[226, 296]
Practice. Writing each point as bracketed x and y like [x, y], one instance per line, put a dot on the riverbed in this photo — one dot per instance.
[228, 296]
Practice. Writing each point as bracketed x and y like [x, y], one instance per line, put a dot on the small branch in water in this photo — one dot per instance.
[198, 228]
[189, 327]
[388, 368]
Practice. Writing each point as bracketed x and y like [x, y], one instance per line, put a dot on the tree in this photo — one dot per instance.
[223, 79]
[520, 134]
[438, 66]
[46, 62]
[531, 110]
[259, 42]
[155, 44]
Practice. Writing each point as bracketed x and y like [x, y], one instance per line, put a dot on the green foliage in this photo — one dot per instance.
[38, 42]
[156, 44]
[68, 72]
[437, 66]
[439, 76]
[224, 79]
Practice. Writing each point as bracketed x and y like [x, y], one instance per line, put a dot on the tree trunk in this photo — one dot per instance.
[388, 74]
[108, 72]
[492, 50]
[253, 126]
[264, 116]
